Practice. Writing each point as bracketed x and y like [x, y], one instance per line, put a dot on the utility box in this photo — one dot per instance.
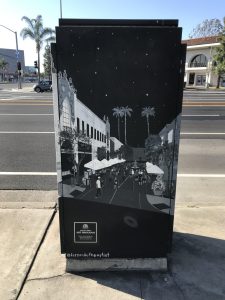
[118, 87]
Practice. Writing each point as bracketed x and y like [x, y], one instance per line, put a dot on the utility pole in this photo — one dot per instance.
[18, 64]
[61, 9]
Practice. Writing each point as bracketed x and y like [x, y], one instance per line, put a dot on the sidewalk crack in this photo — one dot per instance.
[47, 278]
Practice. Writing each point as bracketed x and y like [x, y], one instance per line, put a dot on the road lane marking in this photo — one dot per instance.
[201, 175]
[200, 115]
[110, 201]
[199, 101]
[204, 105]
[26, 114]
[26, 104]
[25, 101]
[203, 133]
[188, 175]
[123, 182]
[29, 173]
[219, 99]
[45, 132]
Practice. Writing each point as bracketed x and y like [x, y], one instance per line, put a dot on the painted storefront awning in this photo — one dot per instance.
[153, 169]
[95, 165]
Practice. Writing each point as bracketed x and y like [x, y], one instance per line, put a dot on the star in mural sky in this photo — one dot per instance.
[122, 67]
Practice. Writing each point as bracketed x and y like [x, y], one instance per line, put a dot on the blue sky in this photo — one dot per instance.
[189, 13]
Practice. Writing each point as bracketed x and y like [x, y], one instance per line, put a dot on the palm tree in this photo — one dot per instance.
[148, 112]
[3, 65]
[118, 113]
[38, 33]
[126, 112]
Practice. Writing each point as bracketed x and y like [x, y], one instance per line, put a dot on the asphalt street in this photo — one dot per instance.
[129, 192]
[27, 161]
[27, 147]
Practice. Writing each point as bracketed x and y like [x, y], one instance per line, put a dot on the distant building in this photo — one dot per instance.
[30, 70]
[9, 55]
[167, 133]
[199, 62]
[138, 154]
[115, 144]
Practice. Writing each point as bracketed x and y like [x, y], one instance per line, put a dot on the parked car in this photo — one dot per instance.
[43, 86]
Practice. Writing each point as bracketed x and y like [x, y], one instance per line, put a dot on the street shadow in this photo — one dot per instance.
[196, 270]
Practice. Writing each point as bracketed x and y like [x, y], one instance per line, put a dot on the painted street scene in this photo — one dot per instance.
[99, 167]
[118, 116]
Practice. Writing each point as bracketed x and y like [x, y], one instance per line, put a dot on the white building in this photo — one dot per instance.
[171, 132]
[115, 144]
[74, 115]
[199, 62]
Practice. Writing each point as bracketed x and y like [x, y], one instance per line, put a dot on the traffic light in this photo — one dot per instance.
[35, 64]
[18, 65]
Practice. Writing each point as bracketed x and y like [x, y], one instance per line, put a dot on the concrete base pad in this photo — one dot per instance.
[148, 264]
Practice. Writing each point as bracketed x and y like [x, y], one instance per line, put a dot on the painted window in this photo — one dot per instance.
[66, 115]
[78, 124]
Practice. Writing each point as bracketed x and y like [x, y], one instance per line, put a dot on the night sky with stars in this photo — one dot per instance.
[134, 66]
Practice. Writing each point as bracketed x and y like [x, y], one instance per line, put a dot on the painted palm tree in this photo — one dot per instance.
[118, 113]
[126, 112]
[148, 112]
[38, 33]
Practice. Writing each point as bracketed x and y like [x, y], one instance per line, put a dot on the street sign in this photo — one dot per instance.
[118, 88]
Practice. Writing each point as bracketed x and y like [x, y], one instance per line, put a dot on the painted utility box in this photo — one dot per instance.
[118, 87]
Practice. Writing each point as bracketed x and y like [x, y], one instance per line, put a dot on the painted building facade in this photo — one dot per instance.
[91, 131]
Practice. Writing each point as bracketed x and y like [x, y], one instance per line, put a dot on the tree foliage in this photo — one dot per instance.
[219, 56]
[69, 140]
[3, 64]
[126, 111]
[148, 112]
[118, 113]
[208, 27]
[74, 136]
[153, 148]
[47, 61]
[37, 32]
[125, 152]
[101, 153]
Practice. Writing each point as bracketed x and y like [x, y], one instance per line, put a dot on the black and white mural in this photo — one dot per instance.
[118, 93]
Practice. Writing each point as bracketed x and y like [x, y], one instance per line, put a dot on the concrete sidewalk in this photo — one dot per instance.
[33, 268]
[21, 233]
[13, 87]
